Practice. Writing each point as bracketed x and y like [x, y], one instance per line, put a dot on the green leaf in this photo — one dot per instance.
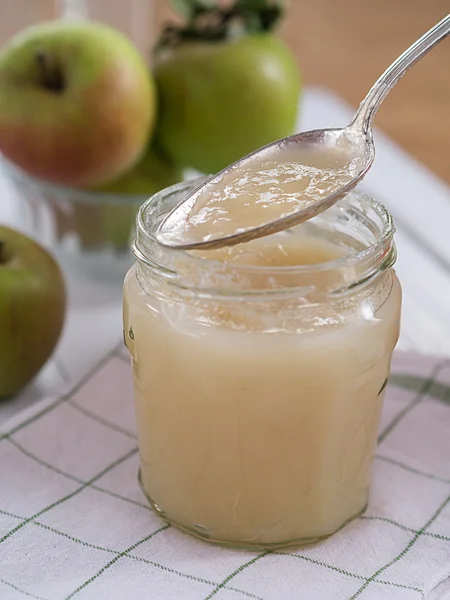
[251, 5]
[188, 9]
[260, 15]
[183, 7]
[258, 5]
[205, 20]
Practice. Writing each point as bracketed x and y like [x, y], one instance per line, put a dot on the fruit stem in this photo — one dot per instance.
[2, 252]
[52, 76]
[218, 23]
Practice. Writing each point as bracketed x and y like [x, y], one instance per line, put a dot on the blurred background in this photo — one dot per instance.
[343, 45]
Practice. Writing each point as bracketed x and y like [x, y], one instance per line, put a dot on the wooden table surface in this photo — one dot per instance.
[347, 44]
[340, 44]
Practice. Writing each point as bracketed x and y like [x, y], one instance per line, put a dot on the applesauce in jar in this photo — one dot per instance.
[259, 372]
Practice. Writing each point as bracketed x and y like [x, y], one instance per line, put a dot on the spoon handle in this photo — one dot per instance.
[380, 89]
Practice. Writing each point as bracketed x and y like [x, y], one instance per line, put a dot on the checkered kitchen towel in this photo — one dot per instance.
[74, 524]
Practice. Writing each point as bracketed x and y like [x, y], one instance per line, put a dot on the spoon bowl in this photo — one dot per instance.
[317, 140]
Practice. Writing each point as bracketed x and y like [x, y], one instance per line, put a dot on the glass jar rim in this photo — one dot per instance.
[377, 256]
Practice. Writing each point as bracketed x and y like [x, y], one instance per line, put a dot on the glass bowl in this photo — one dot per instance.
[89, 231]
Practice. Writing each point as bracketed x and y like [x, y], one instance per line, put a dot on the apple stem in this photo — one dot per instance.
[52, 76]
[2, 252]
[207, 21]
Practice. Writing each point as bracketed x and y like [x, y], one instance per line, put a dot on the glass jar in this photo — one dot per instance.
[259, 389]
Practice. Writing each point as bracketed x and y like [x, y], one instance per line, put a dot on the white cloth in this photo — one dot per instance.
[74, 523]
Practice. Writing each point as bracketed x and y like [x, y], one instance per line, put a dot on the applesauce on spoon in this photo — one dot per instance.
[261, 190]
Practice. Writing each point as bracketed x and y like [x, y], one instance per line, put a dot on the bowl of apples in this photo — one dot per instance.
[89, 230]
[77, 113]
[88, 130]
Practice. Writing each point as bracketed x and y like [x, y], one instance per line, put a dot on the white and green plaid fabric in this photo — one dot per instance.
[74, 523]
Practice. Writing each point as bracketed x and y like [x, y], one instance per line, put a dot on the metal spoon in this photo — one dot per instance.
[358, 132]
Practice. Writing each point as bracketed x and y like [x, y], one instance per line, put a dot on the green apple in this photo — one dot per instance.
[220, 96]
[77, 105]
[151, 174]
[109, 222]
[32, 309]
